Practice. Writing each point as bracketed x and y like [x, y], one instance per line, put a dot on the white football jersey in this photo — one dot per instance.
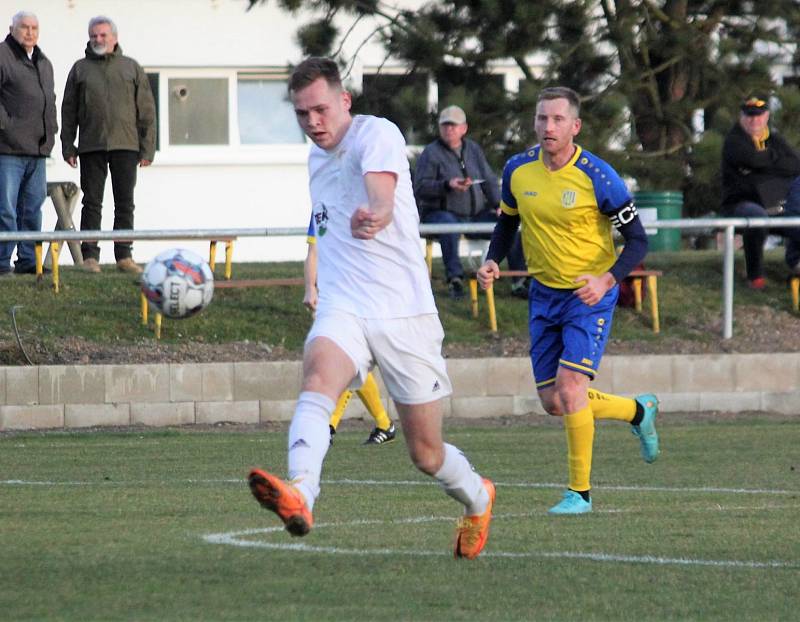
[385, 277]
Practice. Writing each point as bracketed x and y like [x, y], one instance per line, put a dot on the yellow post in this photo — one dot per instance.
[490, 304]
[54, 250]
[212, 254]
[38, 252]
[158, 326]
[637, 292]
[794, 285]
[143, 307]
[429, 255]
[473, 296]
[652, 290]
[228, 259]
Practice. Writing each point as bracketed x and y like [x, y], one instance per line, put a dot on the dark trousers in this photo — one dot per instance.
[753, 239]
[95, 166]
[449, 241]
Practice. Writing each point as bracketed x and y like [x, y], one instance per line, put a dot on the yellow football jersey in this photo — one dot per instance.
[566, 231]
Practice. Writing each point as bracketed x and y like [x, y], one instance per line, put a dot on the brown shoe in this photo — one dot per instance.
[91, 265]
[128, 265]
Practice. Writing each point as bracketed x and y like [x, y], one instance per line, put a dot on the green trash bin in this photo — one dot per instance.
[666, 205]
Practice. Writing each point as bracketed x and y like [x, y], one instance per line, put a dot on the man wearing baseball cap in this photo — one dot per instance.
[453, 183]
[760, 178]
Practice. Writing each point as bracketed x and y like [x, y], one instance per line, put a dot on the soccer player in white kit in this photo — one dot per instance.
[375, 307]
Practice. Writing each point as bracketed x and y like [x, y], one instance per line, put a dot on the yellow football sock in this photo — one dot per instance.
[607, 406]
[579, 427]
[344, 400]
[371, 397]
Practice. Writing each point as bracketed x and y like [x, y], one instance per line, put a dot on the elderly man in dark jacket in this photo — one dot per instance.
[27, 133]
[760, 178]
[453, 183]
[108, 97]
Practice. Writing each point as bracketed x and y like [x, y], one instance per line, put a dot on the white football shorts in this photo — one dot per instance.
[408, 351]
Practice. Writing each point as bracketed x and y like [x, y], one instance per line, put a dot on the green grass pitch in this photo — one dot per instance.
[160, 525]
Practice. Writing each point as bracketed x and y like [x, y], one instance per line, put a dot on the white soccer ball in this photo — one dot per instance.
[178, 283]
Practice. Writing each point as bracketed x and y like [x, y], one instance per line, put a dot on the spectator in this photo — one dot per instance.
[27, 134]
[108, 97]
[760, 178]
[453, 183]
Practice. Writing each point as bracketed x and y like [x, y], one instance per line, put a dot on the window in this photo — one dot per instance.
[266, 116]
[198, 111]
[211, 114]
[152, 78]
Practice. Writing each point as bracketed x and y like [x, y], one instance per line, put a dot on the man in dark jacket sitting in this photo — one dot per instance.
[760, 178]
[453, 183]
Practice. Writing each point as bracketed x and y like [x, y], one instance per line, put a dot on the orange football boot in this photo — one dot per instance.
[282, 498]
[473, 531]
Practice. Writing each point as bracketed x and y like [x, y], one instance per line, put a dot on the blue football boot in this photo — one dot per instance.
[572, 503]
[646, 430]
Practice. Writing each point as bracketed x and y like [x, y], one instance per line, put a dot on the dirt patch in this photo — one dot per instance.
[757, 329]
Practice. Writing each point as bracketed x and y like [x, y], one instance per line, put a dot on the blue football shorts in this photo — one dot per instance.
[565, 331]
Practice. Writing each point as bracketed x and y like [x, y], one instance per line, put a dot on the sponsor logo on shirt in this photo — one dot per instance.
[321, 219]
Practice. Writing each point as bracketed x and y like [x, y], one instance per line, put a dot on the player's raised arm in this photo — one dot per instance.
[369, 219]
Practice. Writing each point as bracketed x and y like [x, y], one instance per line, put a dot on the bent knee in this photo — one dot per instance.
[554, 410]
[428, 461]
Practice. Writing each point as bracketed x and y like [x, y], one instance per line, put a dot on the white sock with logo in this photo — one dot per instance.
[461, 482]
[309, 440]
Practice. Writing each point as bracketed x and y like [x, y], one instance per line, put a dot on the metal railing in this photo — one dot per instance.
[727, 225]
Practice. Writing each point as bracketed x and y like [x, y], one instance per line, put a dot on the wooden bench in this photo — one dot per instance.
[234, 284]
[637, 277]
[476, 249]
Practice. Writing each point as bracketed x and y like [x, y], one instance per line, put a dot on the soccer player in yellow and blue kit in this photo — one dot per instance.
[567, 199]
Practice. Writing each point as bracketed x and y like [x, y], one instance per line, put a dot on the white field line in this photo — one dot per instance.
[375, 482]
[240, 539]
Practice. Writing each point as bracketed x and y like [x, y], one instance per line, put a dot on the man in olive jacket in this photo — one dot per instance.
[108, 97]
[27, 133]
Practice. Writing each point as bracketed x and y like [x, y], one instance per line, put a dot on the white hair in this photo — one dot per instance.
[102, 19]
[18, 17]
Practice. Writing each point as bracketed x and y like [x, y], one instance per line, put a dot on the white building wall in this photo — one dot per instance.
[192, 187]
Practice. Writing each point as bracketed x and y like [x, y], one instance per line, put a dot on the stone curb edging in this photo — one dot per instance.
[75, 396]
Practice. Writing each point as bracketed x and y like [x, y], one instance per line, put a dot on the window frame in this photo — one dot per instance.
[234, 152]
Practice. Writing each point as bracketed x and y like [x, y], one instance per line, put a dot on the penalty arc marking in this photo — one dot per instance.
[243, 539]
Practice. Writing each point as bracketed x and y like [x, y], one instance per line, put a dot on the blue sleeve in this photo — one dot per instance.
[505, 191]
[626, 221]
[610, 191]
[311, 236]
[505, 231]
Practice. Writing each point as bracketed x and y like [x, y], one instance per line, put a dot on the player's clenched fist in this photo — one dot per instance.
[488, 273]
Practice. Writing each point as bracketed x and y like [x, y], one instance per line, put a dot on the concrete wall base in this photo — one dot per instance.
[75, 396]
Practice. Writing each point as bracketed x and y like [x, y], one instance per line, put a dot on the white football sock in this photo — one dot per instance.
[461, 482]
[309, 439]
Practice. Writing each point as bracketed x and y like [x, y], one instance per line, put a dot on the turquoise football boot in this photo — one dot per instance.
[572, 503]
[646, 430]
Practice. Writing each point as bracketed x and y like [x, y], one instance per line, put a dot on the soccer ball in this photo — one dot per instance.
[178, 283]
